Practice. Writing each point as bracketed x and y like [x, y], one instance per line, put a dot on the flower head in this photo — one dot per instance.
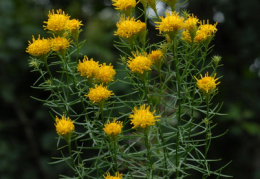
[105, 73]
[117, 176]
[170, 24]
[57, 22]
[113, 128]
[140, 63]
[39, 47]
[74, 24]
[127, 28]
[204, 32]
[60, 43]
[143, 117]
[124, 5]
[99, 94]
[88, 68]
[64, 126]
[207, 84]
[191, 23]
[156, 56]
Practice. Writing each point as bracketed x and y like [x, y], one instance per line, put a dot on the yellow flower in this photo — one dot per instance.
[204, 32]
[191, 23]
[207, 84]
[105, 73]
[143, 118]
[156, 56]
[140, 63]
[117, 176]
[59, 43]
[57, 22]
[99, 94]
[170, 24]
[88, 68]
[127, 28]
[38, 47]
[113, 128]
[74, 25]
[64, 126]
[124, 5]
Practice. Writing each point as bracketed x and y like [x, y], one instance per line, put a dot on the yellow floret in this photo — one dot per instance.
[88, 68]
[207, 84]
[59, 43]
[113, 128]
[39, 47]
[64, 126]
[99, 94]
[57, 21]
[127, 28]
[143, 117]
[105, 73]
[140, 63]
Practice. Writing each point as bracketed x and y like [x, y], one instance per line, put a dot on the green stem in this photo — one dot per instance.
[178, 113]
[148, 153]
[115, 153]
[207, 137]
[70, 152]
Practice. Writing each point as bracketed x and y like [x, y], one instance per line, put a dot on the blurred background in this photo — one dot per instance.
[27, 134]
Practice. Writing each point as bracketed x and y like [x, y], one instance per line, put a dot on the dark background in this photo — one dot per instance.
[27, 133]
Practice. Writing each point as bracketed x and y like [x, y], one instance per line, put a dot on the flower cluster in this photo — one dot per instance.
[113, 128]
[170, 24]
[64, 126]
[143, 117]
[129, 27]
[59, 43]
[99, 94]
[198, 34]
[88, 68]
[156, 56]
[207, 84]
[59, 22]
[140, 63]
[39, 47]
[92, 69]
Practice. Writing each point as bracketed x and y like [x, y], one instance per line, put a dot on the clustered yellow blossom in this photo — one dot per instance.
[127, 28]
[124, 5]
[99, 94]
[64, 126]
[143, 117]
[57, 22]
[170, 24]
[156, 56]
[207, 84]
[113, 128]
[74, 24]
[88, 68]
[140, 63]
[105, 73]
[204, 32]
[117, 176]
[38, 47]
[59, 43]
[191, 23]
